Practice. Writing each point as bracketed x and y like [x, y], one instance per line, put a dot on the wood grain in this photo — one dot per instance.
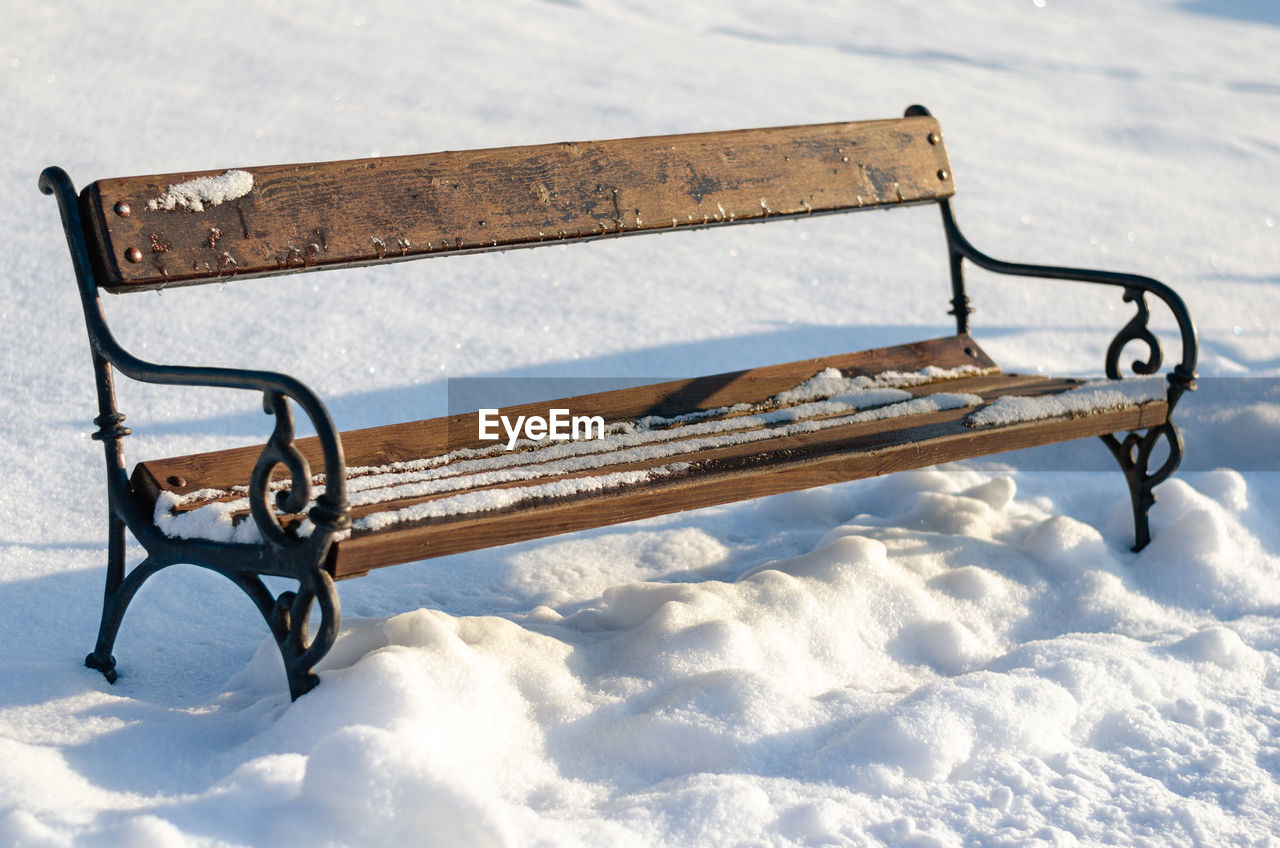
[942, 439]
[416, 439]
[717, 475]
[367, 211]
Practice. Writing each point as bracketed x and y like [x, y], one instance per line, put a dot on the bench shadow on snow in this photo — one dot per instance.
[1252, 11]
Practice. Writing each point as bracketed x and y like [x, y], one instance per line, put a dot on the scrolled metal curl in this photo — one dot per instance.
[1134, 455]
[289, 618]
[1135, 331]
[279, 450]
[1135, 450]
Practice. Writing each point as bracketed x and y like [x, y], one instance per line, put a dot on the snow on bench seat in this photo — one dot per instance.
[430, 488]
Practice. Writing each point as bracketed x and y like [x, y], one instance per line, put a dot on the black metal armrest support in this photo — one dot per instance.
[1183, 376]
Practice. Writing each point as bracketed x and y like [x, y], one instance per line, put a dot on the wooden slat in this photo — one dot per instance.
[678, 443]
[367, 211]
[937, 438]
[765, 451]
[416, 439]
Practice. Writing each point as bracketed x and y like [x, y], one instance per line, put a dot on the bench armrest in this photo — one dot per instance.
[331, 511]
[1136, 287]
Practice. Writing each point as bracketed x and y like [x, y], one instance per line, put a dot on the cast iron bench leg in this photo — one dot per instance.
[289, 620]
[114, 602]
[1134, 456]
[288, 615]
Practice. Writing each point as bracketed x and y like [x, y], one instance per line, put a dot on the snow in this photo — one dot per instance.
[830, 383]
[212, 520]
[620, 451]
[488, 500]
[1089, 399]
[822, 402]
[194, 195]
[967, 655]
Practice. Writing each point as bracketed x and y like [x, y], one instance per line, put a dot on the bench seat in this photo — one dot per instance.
[430, 488]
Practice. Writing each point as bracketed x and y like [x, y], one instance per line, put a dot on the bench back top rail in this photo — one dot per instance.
[151, 232]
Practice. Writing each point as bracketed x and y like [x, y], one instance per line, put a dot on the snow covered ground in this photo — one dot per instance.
[963, 656]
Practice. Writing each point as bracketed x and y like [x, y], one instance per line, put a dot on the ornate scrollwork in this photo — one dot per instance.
[1135, 331]
[1134, 455]
[289, 619]
[279, 450]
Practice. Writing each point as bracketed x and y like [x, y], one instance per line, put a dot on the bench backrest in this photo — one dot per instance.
[180, 229]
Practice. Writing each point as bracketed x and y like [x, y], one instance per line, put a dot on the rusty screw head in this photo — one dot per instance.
[122, 209]
[175, 480]
[133, 254]
[934, 138]
[943, 174]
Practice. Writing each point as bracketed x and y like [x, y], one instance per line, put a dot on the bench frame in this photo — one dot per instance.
[284, 554]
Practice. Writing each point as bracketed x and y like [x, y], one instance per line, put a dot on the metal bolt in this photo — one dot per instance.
[133, 254]
[175, 480]
[122, 209]
[943, 175]
[933, 138]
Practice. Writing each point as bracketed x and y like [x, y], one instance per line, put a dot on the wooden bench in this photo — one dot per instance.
[347, 503]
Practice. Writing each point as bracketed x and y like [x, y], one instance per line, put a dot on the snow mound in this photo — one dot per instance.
[983, 679]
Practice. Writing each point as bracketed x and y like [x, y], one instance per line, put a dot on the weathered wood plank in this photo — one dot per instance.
[359, 212]
[863, 435]
[735, 473]
[377, 446]
[943, 438]
[679, 444]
